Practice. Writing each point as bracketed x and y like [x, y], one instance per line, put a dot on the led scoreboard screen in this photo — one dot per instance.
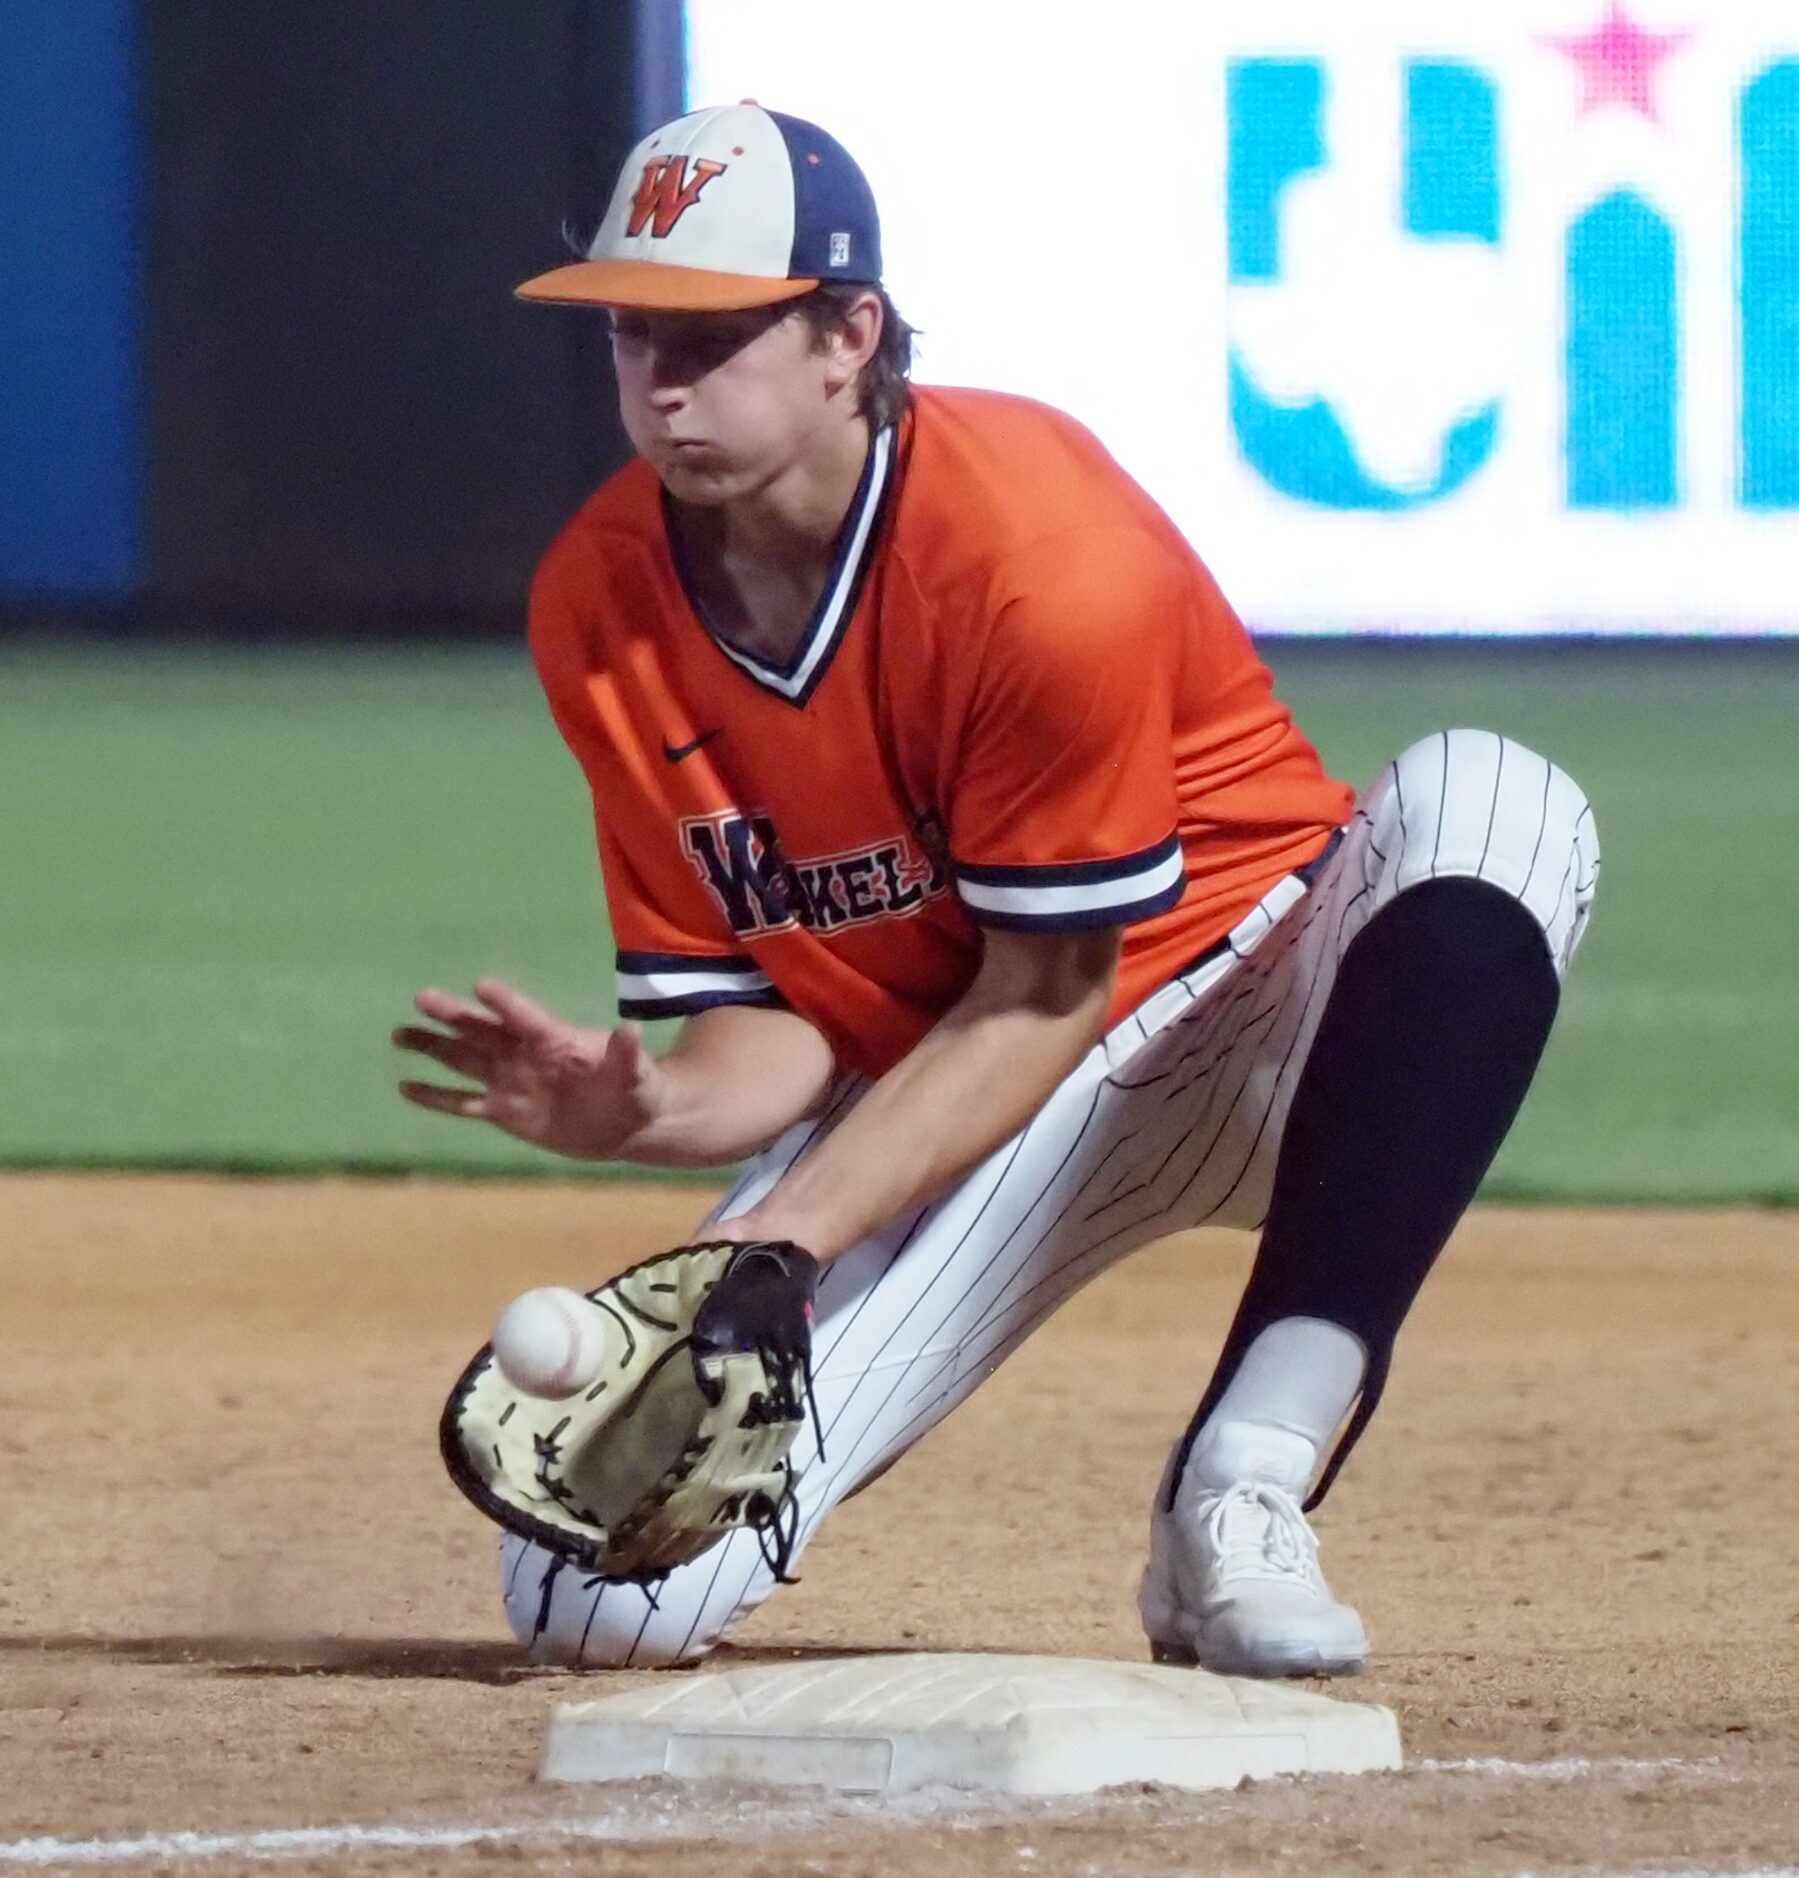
[1415, 318]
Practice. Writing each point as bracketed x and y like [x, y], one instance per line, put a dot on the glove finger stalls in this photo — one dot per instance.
[667, 1451]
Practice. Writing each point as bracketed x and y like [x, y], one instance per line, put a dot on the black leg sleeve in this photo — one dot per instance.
[1432, 1033]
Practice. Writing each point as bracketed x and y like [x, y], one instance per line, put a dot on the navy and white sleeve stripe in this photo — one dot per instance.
[674, 984]
[1077, 897]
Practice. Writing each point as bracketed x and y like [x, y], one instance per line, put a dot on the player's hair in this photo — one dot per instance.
[882, 390]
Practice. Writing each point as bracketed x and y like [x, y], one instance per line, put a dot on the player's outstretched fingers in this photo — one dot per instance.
[471, 1104]
[521, 1013]
[465, 1055]
[468, 1018]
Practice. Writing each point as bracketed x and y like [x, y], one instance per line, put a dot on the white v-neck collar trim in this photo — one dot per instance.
[795, 680]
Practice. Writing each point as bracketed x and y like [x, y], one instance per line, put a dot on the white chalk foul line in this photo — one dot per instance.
[644, 1823]
[674, 1819]
[1561, 1770]
[292, 1842]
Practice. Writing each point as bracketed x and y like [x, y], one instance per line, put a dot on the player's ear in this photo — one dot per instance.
[854, 339]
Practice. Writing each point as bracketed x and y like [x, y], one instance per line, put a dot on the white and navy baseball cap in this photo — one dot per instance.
[727, 208]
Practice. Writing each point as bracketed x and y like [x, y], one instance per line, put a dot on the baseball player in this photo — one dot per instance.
[1013, 922]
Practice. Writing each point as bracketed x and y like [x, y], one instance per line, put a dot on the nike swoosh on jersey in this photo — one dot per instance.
[678, 753]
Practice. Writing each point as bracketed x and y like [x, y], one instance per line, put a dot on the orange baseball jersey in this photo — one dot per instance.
[1022, 702]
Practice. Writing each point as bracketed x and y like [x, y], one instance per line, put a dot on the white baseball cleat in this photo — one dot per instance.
[1232, 1581]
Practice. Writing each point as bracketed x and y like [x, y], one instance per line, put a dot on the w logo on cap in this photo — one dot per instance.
[667, 192]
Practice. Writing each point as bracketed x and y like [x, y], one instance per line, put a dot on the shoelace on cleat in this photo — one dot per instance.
[1256, 1530]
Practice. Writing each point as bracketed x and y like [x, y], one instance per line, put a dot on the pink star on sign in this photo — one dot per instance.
[1617, 61]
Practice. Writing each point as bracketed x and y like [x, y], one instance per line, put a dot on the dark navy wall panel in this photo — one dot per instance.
[70, 260]
[354, 422]
[260, 364]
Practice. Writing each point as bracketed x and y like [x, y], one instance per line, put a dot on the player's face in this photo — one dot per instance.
[720, 403]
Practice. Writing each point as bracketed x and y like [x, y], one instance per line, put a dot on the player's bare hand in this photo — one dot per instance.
[579, 1092]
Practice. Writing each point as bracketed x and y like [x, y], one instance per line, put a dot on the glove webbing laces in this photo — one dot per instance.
[776, 1521]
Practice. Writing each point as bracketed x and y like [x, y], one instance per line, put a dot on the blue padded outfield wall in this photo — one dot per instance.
[71, 440]
[261, 370]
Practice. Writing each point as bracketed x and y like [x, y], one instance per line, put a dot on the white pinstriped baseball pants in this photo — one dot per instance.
[1173, 1120]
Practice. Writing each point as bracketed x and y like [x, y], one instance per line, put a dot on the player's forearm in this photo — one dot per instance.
[969, 1086]
[735, 1079]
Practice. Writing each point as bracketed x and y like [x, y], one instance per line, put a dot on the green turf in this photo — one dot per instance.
[225, 874]
[1673, 1073]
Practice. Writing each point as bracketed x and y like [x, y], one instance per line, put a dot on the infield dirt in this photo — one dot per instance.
[236, 1592]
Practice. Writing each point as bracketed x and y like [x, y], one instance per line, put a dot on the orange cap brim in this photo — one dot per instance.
[658, 287]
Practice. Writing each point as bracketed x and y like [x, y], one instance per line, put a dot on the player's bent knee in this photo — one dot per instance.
[1477, 805]
[567, 1619]
[628, 1645]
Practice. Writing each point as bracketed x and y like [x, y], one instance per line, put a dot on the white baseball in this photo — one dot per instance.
[549, 1342]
